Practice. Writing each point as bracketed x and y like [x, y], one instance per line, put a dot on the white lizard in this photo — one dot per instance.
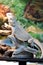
[20, 34]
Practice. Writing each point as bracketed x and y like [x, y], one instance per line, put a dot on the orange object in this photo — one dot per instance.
[3, 10]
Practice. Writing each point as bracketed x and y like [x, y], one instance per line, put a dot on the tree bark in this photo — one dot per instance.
[5, 32]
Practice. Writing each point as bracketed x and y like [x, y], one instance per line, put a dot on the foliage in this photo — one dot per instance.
[37, 36]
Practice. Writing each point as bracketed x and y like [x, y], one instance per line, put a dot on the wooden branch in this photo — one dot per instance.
[5, 32]
[32, 18]
[6, 28]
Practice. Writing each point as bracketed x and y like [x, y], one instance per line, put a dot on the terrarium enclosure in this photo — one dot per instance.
[21, 28]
